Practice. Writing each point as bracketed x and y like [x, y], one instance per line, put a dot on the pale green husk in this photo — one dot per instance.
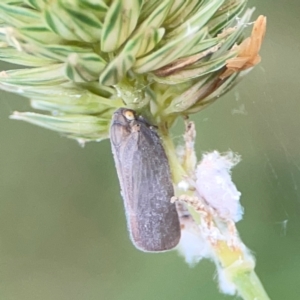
[84, 58]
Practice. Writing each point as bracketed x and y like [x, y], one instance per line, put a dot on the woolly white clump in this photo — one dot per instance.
[192, 246]
[215, 186]
[225, 284]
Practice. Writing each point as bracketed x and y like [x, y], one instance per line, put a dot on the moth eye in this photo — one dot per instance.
[129, 115]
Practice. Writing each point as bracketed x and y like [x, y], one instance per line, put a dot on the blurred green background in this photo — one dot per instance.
[62, 225]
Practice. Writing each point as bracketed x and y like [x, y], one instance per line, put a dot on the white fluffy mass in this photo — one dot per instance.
[215, 186]
[192, 247]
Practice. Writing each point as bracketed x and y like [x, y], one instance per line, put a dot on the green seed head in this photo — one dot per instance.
[83, 59]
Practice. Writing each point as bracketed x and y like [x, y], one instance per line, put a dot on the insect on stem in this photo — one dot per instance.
[145, 180]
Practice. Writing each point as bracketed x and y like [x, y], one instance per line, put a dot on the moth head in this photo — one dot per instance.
[133, 121]
[123, 116]
[121, 124]
[129, 114]
[127, 119]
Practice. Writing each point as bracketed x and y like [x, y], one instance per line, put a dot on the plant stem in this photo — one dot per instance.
[177, 170]
[236, 263]
[249, 286]
[238, 266]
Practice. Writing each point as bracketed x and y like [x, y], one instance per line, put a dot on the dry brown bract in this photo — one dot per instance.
[248, 50]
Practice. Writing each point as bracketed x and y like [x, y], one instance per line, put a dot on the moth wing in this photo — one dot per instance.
[146, 187]
[153, 219]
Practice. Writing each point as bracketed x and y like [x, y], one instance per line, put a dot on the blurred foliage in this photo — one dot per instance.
[63, 232]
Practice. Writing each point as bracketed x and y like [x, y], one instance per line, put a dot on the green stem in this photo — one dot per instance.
[178, 173]
[237, 263]
[249, 286]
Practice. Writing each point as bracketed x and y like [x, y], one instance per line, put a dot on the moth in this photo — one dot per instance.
[145, 180]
